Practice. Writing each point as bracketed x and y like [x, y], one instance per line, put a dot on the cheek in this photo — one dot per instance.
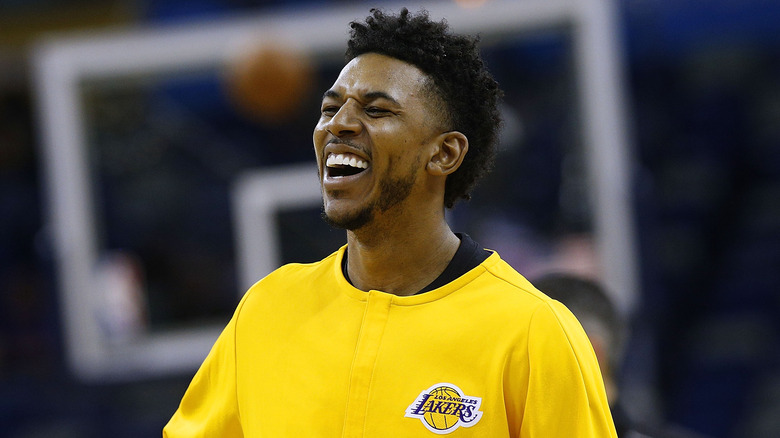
[318, 131]
[319, 137]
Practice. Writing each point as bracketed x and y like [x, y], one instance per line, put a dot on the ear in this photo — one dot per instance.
[451, 149]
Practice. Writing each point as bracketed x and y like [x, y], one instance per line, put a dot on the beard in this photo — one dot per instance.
[392, 192]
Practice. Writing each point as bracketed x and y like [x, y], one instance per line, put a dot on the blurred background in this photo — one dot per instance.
[162, 153]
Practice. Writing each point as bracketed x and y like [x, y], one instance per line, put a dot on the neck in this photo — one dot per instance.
[401, 258]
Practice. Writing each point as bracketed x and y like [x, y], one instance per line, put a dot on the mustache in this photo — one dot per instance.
[352, 145]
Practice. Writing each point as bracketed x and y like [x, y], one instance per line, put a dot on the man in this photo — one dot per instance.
[607, 331]
[409, 330]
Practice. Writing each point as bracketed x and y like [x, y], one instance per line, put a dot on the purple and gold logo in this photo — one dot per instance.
[443, 407]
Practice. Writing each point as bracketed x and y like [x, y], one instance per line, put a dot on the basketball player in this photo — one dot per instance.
[409, 330]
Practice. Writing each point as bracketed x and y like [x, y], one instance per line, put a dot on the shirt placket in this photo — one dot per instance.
[364, 361]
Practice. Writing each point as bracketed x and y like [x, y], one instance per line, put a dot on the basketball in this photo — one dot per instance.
[442, 421]
[269, 82]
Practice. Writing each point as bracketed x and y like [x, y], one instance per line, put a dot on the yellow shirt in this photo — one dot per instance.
[308, 355]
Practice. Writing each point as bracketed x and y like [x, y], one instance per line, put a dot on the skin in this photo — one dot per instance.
[602, 355]
[379, 111]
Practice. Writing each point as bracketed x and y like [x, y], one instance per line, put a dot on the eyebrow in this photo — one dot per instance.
[332, 94]
[372, 95]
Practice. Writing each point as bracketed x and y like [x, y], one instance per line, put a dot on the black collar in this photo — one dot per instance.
[468, 256]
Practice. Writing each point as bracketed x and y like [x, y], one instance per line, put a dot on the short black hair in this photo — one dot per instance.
[460, 79]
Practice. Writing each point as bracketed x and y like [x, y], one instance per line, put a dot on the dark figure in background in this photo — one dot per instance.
[607, 331]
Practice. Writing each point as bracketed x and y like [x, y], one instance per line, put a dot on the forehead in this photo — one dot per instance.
[373, 72]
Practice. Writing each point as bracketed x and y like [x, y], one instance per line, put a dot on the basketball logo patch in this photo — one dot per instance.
[443, 407]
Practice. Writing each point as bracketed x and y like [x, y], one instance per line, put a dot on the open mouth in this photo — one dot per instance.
[339, 165]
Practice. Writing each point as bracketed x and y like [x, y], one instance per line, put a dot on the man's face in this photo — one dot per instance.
[371, 139]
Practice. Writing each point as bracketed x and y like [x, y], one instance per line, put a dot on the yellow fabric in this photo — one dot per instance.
[308, 355]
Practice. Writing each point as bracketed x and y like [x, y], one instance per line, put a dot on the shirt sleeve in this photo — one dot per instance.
[209, 407]
[566, 396]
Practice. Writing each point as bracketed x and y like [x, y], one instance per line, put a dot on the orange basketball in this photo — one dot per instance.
[269, 82]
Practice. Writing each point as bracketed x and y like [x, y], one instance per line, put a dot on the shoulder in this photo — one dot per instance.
[544, 315]
[502, 279]
[293, 271]
[291, 280]
[500, 293]
[287, 293]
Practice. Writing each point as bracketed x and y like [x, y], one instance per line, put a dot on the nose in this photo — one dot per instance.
[346, 121]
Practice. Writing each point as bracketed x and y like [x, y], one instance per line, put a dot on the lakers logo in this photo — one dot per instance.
[443, 407]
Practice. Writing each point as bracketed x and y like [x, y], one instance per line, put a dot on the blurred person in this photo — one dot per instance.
[607, 330]
[409, 330]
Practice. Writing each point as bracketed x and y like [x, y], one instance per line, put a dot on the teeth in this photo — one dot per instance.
[342, 160]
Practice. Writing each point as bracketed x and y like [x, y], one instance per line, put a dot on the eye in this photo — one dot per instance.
[375, 111]
[329, 110]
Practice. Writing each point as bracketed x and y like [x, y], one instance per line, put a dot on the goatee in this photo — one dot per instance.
[392, 192]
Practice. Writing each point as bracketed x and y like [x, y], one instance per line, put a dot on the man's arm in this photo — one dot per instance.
[566, 396]
[209, 407]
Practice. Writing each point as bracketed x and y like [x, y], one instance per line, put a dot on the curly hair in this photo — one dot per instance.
[459, 78]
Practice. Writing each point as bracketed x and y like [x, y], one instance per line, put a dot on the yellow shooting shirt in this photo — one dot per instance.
[308, 355]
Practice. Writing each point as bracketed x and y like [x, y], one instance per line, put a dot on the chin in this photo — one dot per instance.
[348, 221]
